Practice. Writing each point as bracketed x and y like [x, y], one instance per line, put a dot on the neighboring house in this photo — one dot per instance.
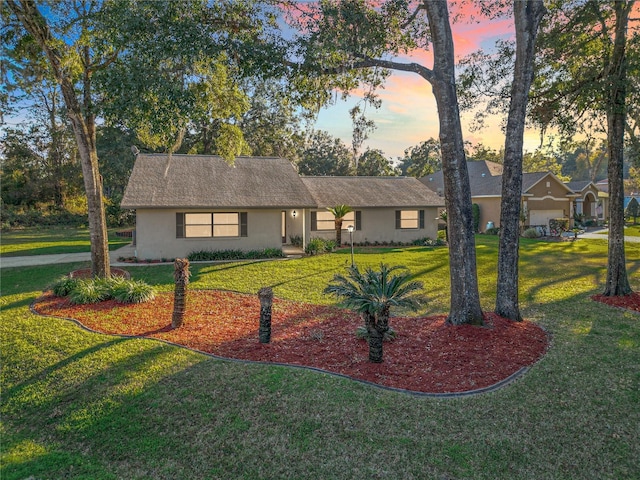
[591, 201]
[187, 203]
[544, 196]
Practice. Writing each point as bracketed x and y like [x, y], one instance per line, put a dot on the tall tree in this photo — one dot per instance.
[422, 160]
[527, 15]
[154, 66]
[373, 163]
[359, 41]
[73, 62]
[273, 124]
[583, 72]
[324, 155]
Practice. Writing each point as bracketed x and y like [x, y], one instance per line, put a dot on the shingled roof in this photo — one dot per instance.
[204, 181]
[361, 192]
[200, 181]
[485, 179]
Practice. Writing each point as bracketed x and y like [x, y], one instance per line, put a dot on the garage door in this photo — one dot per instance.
[542, 217]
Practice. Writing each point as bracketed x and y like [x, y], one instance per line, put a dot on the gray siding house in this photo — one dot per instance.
[187, 203]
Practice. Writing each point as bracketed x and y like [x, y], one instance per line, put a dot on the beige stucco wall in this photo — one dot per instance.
[379, 225]
[156, 234]
[489, 211]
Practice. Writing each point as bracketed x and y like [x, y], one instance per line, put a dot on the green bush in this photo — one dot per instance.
[94, 290]
[220, 255]
[330, 245]
[12, 216]
[91, 290]
[315, 246]
[63, 286]
[132, 291]
[296, 240]
[492, 231]
[476, 217]
[531, 233]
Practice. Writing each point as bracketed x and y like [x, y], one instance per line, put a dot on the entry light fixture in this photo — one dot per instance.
[294, 214]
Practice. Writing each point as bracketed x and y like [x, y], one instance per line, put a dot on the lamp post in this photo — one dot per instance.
[350, 229]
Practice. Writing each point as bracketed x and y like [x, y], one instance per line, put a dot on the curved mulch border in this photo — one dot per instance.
[486, 389]
[630, 303]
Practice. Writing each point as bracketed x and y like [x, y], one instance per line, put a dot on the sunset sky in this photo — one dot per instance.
[408, 114]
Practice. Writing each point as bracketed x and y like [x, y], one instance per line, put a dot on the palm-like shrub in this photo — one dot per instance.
[339, 212]
[372, 294]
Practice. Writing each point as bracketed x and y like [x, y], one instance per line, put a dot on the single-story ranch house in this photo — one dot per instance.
[544, 195]
[187, 203]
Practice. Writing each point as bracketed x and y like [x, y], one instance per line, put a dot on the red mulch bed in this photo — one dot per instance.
[428, 355]
[630, 302]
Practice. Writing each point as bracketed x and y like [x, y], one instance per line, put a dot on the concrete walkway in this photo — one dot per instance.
[127, 251]
[603, 235]
[33, 260]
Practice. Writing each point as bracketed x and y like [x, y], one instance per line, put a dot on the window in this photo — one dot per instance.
[409, 219]
[197, 225]
[206, 225]
[324, 220]
[226, 225]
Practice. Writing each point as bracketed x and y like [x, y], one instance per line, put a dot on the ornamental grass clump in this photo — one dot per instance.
[92, 290]
[133, 291]
[372, 294]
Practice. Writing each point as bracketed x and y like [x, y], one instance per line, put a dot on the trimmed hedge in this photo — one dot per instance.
[216, 255]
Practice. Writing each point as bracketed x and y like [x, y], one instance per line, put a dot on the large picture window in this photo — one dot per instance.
[206, 225]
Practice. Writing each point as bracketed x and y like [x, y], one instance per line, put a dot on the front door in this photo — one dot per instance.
[283, 221]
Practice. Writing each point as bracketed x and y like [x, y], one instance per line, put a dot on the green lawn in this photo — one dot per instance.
[632, 231]
[43, 241]
[81, 405]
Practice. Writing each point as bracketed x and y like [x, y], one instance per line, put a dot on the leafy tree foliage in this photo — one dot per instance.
[325, 155]
[373, 163]
[273, 124]
[479, 152]
[422, 160]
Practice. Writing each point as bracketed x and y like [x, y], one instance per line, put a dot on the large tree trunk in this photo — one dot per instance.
[465, 297]
[83, 128]
[527, 19]
[617, 280]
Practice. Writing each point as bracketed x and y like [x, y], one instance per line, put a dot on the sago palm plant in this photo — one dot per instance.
[372, 294]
